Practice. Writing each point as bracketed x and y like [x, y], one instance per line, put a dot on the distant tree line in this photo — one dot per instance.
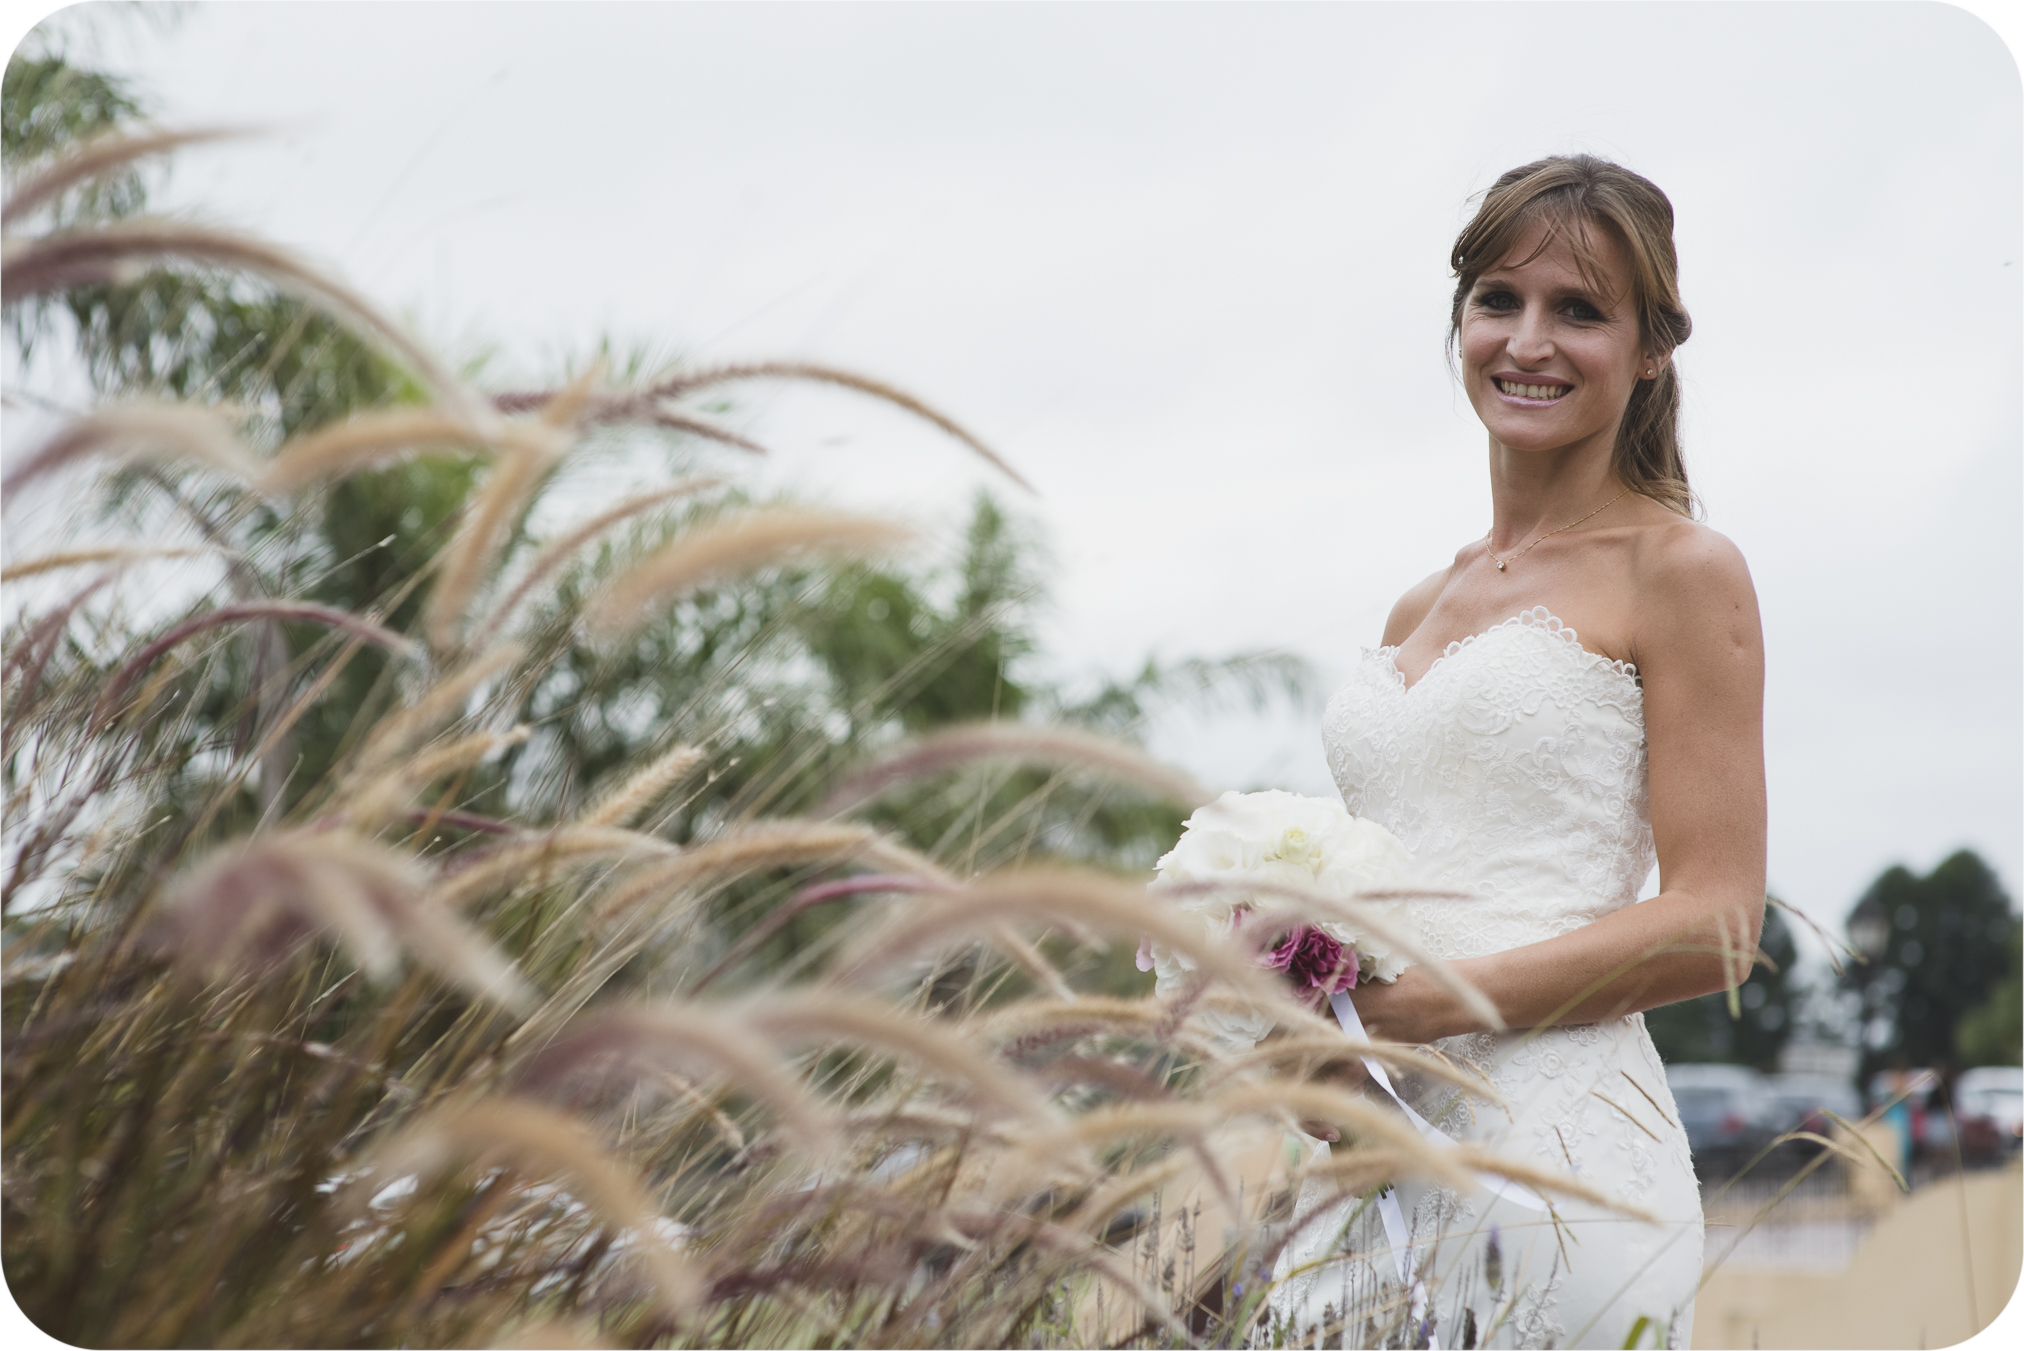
[1935, 983]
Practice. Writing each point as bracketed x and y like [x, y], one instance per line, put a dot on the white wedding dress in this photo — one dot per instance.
[1514, 770]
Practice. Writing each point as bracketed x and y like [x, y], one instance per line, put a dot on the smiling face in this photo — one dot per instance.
[1550, 357]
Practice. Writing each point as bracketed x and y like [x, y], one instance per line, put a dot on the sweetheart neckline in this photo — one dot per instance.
[1537, 617]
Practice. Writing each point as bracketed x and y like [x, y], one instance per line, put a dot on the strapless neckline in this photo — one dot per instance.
[1537, 619]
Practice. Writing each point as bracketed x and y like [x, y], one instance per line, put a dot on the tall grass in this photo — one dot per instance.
[355, 1053]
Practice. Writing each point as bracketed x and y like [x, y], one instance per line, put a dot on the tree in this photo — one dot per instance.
[1994, 1033]
[1939, 946]
[1702, 1030]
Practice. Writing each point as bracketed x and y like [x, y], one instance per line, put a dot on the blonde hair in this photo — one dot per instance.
[1568, 194]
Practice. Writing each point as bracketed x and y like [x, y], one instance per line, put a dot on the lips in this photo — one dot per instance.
[1546, 393]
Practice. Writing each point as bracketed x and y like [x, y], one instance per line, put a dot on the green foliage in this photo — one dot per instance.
[1702, 1031]
[1993, 1033]
[1949, 944]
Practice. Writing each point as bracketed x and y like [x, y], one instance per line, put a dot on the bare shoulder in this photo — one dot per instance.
[1694, 594]
[1413, 606]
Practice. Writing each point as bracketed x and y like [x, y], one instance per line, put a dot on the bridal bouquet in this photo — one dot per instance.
[1278, 838]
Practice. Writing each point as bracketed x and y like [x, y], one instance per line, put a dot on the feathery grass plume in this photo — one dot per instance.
[747, 849]
[77, 558]
[1079, 1014]
[468, 558]
[143, 428]
[562, 550]
[94, 158]
[728, 547]
[1100, 1260]
[552, 1334]
[394, 789]
[630, 406]
[105, 252]
[541, 1142]
[1059, 746]
[1319, 1047]
[613, 1044]
[395, 733]
[571, 847]
[295, 612]
[623, 804]
[1074, 899]
[816, 1016]
[1093, 1212]
[365, 440]
[801, 370]
[254, 902]
[808, 898]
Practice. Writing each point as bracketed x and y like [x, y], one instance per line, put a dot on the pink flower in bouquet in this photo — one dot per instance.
[1313, 960]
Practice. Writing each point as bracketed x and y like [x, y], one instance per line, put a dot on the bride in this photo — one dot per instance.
[1577, 694]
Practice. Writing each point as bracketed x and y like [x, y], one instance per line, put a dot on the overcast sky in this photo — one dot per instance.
[1186, 267]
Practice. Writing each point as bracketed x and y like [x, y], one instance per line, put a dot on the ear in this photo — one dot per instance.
[1652, 363]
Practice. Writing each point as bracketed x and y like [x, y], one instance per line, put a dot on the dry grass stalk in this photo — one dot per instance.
[768, 844]
[395, 733]
[943, 750]
[623, 804]
[613, 1045]
[1076, 900]
[295, 612]
[142, 429]
[468, 559]
[562, 550]
[812, 1016]
[572, 847]
[1317, 1047]
[250, 905]
[1093, 1213]
[95, 158]
[801, 370]
[107, 252]
[77, 558]
[394, 790]
[730, 547]
[541, 1142]
[366, 440]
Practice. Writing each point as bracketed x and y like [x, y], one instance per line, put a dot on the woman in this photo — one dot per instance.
[1579, 691]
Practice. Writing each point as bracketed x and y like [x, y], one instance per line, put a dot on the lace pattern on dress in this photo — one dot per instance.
[1515, 772]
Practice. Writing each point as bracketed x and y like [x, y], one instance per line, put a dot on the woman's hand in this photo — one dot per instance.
[1347, 1075]
[1414, 1009]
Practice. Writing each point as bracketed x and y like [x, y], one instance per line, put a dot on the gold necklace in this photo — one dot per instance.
[1549, 534]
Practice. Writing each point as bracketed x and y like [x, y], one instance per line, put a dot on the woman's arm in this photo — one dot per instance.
[1700, 651]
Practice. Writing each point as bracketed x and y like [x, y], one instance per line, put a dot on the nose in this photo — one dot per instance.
[1531, 344]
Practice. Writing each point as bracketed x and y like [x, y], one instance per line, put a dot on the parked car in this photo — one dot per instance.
[1989, 1105]
[1727, 1114]
[1801, 1102]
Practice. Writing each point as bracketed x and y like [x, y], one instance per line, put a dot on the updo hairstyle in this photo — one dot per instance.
[1568, 194]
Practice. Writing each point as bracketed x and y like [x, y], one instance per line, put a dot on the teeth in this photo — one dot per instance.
[1533, 391]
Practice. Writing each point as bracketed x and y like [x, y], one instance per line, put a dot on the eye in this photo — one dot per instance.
[1583, 311]
[1501, 301]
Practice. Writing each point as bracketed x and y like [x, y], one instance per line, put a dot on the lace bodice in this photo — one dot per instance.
[1514, 770]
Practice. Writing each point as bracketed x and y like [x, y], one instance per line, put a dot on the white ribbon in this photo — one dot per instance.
[1388, 1211]
[1499, 1187]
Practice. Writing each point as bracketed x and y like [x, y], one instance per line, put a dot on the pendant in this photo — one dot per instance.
[1500, 565]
